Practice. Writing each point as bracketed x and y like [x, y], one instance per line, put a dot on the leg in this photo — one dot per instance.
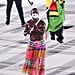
[59, 34]
[52, 35]
[8, 11]
[20, 10]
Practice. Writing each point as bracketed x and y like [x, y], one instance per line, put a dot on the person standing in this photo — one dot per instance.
[19, 8]
[56, 18]
[35, 54]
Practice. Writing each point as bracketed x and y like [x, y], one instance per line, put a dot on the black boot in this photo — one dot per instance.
[60, 41]
[7, 22]
[52, 38]
[23, 24]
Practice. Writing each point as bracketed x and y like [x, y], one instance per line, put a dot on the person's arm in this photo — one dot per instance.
[28, 27]
[26, 30]
[41, 27]
[31, 3]
[62, 3]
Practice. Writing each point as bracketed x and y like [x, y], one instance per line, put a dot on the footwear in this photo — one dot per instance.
[23, 24]
[60, 41]
[7, 22]
[52, 38]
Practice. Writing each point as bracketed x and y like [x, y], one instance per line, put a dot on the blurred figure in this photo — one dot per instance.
[35, 55]
[19, 8]
[56, 19]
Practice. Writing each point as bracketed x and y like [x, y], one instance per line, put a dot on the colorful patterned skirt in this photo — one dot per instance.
[35, 58]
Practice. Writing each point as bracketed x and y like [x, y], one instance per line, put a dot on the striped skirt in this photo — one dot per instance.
[35, 58]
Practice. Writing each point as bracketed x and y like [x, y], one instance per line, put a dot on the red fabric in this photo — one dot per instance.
[35, 60]
[53, 6]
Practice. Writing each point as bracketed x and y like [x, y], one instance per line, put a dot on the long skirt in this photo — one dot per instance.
[35, 58]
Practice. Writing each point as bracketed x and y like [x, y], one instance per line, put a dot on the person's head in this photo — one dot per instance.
[34, 13]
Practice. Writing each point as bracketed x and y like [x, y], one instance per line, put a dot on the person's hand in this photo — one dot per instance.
[31, 3]
[46, 8]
